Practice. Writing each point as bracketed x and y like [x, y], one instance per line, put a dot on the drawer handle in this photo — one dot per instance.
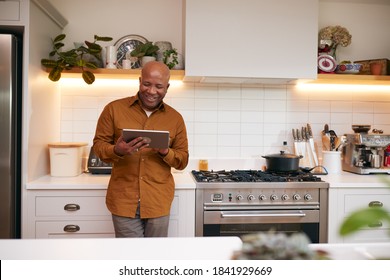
[376, 224]
[72, 207]
[71, 228]
[375, 204]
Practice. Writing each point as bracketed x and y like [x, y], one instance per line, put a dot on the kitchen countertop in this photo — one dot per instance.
[87, 181]
[351, 180]
[184, 180]
[355, 251]
[172, 248]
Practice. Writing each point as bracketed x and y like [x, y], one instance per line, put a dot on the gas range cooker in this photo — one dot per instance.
[238, 202]
[258, 187]
[245, 176]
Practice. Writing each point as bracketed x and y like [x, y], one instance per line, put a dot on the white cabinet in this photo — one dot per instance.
[345, 201]
[83, 214]
[9, 11]
[263, 39]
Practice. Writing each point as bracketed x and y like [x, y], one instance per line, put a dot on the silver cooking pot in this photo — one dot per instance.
[282, 162]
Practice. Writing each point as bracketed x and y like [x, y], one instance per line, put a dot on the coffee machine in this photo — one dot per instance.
[364, 153]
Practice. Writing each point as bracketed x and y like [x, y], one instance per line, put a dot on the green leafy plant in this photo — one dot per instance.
[145, 49]
[365, 217]
[170, 58]
[76, 57]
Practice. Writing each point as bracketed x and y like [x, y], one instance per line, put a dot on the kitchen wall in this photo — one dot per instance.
[233, 121]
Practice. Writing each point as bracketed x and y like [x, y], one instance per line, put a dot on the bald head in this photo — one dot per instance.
[156, 68]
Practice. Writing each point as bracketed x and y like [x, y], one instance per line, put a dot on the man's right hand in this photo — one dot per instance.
[123, 148]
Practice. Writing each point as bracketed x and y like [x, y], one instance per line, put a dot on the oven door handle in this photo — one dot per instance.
[263, 214]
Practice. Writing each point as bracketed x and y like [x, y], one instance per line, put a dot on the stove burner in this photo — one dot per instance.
[253, 176]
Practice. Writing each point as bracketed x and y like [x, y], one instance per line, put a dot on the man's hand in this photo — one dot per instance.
[123, 148]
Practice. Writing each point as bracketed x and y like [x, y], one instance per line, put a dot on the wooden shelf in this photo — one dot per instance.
[351, 79]
[103, 73]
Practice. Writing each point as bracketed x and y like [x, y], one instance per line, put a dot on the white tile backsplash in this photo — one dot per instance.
[362, 118]
[341, 106]
[204, 104]
[363, 107]
[229, 116]
[229, 104]
[381, 107]
[229, 128]
[229, 121]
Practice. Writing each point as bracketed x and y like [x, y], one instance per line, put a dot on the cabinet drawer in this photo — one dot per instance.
[353, 202]
[369, 236]
[63, 206]
[74, 229]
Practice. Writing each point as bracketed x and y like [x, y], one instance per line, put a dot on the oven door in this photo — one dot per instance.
[240, 222]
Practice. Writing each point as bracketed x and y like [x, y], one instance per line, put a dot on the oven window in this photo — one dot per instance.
[311, 229]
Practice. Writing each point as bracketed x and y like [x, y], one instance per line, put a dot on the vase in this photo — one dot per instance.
[162, 47]
[111, 57]
[146, 59]
[333, 50]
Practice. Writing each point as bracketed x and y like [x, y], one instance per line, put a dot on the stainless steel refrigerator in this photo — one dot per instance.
[11, 52]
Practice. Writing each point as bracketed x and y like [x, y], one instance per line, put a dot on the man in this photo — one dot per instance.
[141, 187]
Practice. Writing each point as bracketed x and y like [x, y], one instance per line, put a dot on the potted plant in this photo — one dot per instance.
[170, 58]
[79, 57]
[145, 52]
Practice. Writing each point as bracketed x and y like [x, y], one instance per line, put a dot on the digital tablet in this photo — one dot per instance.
[156, 138]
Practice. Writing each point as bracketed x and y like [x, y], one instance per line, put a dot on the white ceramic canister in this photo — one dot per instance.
[331, 160]
[111, 57]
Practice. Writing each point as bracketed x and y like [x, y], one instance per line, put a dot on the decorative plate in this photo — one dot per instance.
[125, 46]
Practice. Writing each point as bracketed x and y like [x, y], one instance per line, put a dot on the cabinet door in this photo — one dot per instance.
[9, 10]
[252, 38]
[182, 215]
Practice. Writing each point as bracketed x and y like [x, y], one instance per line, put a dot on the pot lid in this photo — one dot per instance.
[282, 154]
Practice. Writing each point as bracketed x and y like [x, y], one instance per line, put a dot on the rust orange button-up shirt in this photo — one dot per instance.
[144, 176]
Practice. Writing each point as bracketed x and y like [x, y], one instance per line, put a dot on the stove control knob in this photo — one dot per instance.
[239, 197]
[308, 197]
[251, 197]
[262, 197]
[285, 197]
[274, 197]
[296, 197]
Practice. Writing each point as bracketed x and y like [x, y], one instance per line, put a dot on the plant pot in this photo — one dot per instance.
[376, 68]
[282, 162]
[146, 59]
